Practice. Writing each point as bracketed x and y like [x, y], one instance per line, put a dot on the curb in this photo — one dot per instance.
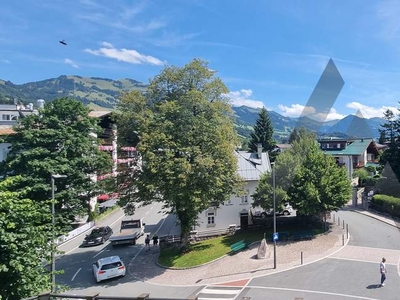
[374, 217]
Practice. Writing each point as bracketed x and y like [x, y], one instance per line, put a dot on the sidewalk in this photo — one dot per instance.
[237, 269]
[377, 215]
[243, 265]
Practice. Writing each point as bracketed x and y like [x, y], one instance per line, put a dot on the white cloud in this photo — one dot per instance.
[297, 110]
[71, 63]
[239, 98]
[5, 61]
[369, 111]
[125, 55]
[106, 44]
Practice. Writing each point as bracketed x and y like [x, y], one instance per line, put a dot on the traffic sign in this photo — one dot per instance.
[275, 236]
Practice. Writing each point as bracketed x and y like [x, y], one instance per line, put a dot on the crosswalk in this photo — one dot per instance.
[215, 292]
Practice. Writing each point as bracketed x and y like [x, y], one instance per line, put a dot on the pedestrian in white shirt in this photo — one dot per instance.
[382, 268]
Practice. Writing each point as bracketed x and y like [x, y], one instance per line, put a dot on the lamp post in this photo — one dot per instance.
[274, 211]
[53, 260]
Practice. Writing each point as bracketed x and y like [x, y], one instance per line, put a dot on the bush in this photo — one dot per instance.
[387, 204]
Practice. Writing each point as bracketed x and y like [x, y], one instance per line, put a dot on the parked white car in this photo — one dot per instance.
[285, 210]
[108, 267]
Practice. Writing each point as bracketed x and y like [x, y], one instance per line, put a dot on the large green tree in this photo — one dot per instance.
[285, 166]
[60, 139]
[310, 180]
[319, 185]
[24, 245]
[186, 142]
[263, 132]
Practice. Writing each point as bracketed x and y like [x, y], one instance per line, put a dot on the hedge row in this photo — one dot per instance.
[387, 204]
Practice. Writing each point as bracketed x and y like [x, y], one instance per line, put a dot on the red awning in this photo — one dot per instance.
[103, 197]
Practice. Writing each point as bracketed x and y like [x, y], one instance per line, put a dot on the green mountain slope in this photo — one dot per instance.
[101, 91]
[104, 93]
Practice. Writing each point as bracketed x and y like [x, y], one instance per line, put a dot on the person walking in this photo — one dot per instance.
[155, 240]
[147, 242]
[382, 268]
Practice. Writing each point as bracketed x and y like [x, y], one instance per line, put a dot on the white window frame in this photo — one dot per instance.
[245, 198]
[211, 218]
[6, 117]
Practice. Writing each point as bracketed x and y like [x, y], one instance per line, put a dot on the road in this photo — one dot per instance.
[352, 273]
[76, 261]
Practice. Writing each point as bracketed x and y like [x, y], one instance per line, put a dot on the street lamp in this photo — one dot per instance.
[274, 211]
[53, 260]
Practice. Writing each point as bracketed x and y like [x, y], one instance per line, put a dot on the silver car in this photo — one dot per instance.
[108, 267]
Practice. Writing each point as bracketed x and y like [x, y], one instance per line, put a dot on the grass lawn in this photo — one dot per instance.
[211, 249]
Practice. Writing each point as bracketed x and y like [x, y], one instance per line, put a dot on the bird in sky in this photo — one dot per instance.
[63, 42]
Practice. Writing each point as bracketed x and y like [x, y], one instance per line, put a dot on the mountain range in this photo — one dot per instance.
[104, 93]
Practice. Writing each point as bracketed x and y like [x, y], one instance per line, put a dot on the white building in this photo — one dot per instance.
[9, 115]
[236, 210]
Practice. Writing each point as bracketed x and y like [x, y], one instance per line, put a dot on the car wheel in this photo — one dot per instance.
[263, 215]
[286, 213]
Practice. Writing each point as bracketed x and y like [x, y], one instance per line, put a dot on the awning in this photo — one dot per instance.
[103, 197]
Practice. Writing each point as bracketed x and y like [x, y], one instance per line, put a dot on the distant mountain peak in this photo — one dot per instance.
[105, 92]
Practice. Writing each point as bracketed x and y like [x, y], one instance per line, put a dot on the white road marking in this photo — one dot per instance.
[360, 260]
[311, 292]
[99, 253]
[73, 277]
[213, 292]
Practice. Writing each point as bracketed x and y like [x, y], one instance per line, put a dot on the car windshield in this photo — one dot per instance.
[111, 266]
[97, 232]
[133, 224]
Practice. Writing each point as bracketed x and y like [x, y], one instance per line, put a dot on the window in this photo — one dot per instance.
[338, 146]
[245, 198]
[210, 218]
[5, 117]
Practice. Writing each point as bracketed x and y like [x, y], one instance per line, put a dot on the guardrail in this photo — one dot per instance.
[74, 233]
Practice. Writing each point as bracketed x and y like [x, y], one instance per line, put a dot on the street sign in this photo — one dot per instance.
[275, 236]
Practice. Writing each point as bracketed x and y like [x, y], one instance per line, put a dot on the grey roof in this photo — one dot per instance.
[8, 107]
[250, 167]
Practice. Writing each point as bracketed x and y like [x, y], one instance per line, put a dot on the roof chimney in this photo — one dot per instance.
[259, 151]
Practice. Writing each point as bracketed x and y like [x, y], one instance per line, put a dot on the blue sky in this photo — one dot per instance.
[268, 53]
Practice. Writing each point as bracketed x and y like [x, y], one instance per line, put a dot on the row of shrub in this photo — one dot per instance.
[386, 204]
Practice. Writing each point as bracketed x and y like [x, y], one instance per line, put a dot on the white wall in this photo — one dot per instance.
[4, 150]
[229, 212]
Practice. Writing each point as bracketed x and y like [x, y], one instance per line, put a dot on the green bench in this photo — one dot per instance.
[235, 247]
[303, 235]
[284, 235]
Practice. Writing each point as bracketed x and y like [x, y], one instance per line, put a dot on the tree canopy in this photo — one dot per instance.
[186, 142]
[24, 237]
[319, 185]
[263, 132]
[390, 158]
[58, 140]
[307, 178]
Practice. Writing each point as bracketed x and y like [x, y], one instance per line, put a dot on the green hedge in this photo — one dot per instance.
[387, 204]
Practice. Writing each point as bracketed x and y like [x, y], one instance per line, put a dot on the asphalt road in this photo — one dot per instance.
[76, 262]
[352, 273]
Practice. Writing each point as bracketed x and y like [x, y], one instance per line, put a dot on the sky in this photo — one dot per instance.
[268, 53]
